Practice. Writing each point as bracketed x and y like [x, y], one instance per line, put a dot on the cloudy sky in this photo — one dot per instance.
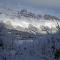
[33, 4]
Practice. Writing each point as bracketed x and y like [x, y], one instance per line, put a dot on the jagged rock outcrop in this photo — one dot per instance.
[49, 17]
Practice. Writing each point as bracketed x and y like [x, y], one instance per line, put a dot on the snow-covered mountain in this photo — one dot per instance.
[25, 20]
[25, 35]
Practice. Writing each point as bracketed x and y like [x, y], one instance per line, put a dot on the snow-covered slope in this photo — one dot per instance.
[27, 36]
[24, 20]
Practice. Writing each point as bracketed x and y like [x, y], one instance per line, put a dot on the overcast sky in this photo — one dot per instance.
[32, 3]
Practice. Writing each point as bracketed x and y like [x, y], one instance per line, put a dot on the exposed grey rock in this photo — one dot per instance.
[49, 17]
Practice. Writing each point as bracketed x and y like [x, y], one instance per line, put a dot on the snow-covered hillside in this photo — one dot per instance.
[24, 20]
[25, 35]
